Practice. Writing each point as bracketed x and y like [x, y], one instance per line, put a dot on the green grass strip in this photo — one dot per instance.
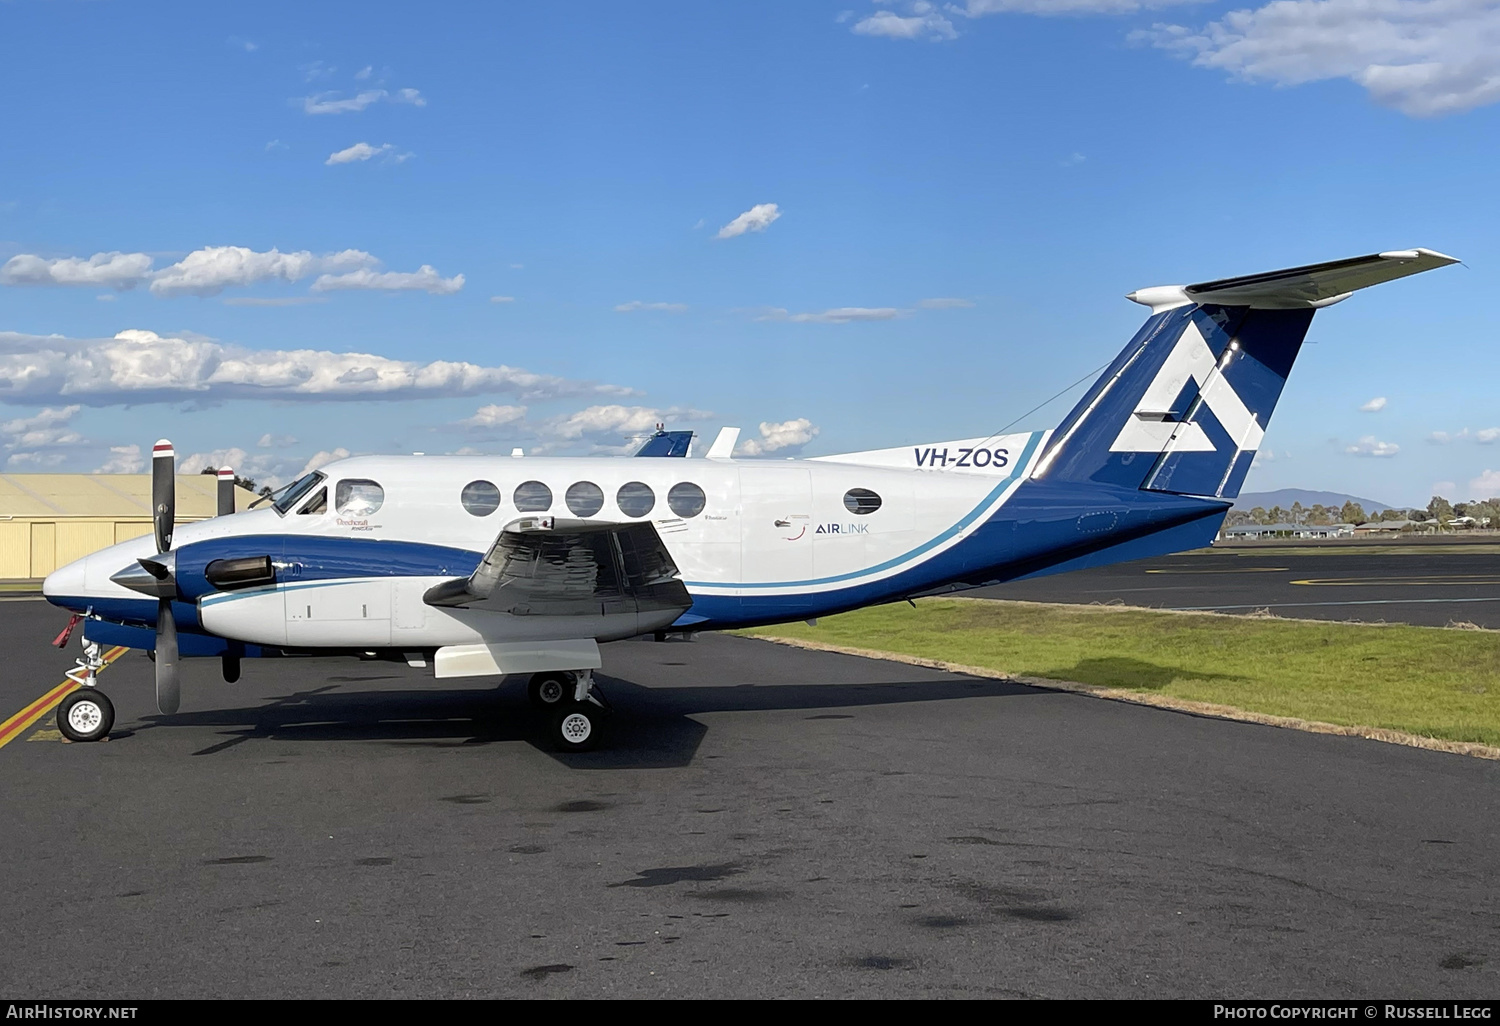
[1430, 681]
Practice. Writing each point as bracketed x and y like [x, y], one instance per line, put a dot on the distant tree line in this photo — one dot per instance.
[247, 483]
[1445, 513]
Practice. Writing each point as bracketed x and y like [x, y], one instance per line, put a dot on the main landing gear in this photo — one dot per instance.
[87, 713]
[577, 707]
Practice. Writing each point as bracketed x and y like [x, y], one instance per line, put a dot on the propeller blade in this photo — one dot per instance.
[168, 688]
[226, 491]
[163, 493]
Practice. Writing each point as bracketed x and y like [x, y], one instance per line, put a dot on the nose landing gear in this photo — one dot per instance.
[87, 713]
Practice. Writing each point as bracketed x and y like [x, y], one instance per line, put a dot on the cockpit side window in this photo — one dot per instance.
[356, 497]
[289, 495]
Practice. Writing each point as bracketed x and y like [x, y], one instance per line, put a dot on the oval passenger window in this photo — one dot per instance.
[533, 497]
[861, 501]
[585, 498]
[686, 499]
[635, 498]
[358, 498]
[482, 498]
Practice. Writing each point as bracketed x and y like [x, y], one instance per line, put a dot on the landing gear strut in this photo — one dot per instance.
[577, 707]
[86, 714]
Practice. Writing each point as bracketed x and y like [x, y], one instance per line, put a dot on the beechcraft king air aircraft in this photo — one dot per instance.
[495, 565]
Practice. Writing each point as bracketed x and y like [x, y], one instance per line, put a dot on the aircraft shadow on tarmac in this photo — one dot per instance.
[651, 727]
[1123, 672]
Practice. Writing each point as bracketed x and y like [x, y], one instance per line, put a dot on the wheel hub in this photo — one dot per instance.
[85, 717]
[576, 728]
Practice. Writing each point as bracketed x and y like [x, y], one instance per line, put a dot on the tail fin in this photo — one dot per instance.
[1184, 407]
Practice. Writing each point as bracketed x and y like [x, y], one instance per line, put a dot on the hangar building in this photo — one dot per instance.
[49, 520]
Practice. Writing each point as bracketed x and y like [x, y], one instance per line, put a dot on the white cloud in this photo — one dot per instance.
[141, 366]
[789, 434]
[837, 315]
[1426, 58]
[330, 103]
[923, 21]
[323, 458]
[276, 144]
[1374, 405]
[606, 420]
[424, 279]
[492, 416]
[364, 73]
[209, 271]
[270, 441]
[1486, 485]
[47, 429]
[1369, 445]
[757, 219]
[40, 460]
[196, 463]
[1484, 436]
[636, 304]
[362, 151]
[113, 270]
[502, 299]
[123, 459]
[945, 304]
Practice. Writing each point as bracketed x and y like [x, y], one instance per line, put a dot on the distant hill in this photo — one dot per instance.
[1284, 497]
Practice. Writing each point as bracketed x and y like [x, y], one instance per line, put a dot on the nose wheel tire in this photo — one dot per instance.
[85, 715]
[577, 727]
[548, 690]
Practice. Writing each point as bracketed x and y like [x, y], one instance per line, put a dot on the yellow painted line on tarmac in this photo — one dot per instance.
[18, 724]
[1226, 570]
[1398, 582]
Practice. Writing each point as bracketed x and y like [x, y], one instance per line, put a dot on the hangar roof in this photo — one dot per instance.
[107, 495]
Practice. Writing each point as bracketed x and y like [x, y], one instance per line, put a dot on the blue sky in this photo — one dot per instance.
[840, 226]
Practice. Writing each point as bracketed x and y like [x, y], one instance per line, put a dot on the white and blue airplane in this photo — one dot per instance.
[484, 565]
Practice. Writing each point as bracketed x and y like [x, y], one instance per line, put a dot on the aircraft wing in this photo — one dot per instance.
[550, 566]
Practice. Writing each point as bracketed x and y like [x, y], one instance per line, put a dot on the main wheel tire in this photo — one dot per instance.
[85, 715]
[577, 727]
[548, 690]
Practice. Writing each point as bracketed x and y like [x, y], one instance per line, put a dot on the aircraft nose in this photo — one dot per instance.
[65, 586]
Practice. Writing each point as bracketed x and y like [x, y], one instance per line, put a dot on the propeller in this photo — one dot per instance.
[161, 567]
[226, 491]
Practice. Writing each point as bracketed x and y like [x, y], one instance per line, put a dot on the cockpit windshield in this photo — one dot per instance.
[286, 497]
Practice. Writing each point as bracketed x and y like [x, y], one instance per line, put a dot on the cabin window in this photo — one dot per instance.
[861, 501]
[686, 499]
[585, 498]
[533, 497]
[481, 498]
[317, 504]
[635, 498]
[358, 498]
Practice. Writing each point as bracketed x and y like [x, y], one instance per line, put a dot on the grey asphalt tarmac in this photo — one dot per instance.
[765, 822]
[1430, 585]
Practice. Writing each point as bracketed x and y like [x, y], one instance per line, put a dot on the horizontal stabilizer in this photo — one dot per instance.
[1296, 288]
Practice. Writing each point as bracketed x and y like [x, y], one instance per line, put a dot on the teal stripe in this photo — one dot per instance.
[969, 518]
